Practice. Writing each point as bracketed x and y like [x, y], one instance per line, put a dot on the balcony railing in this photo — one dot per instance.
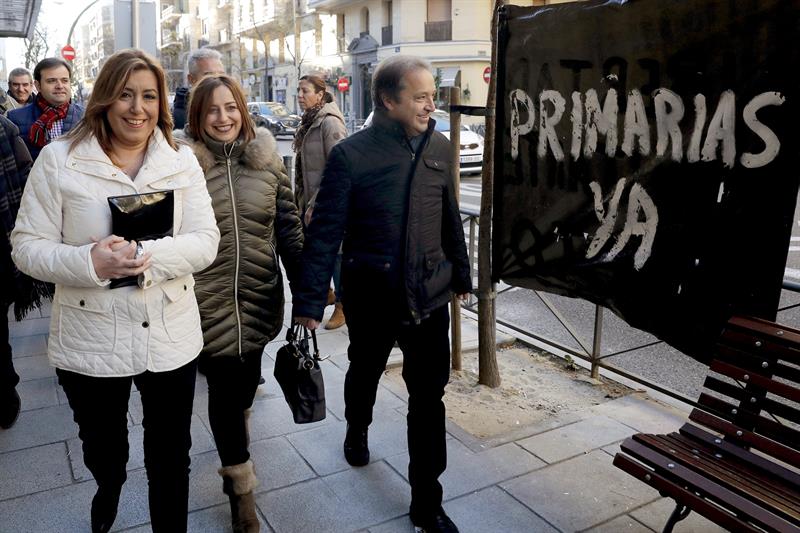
[439, 31]
[386, 35]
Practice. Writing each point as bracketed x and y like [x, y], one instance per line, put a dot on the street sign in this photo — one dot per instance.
[343, 84]
[68, 53]
[487, 74]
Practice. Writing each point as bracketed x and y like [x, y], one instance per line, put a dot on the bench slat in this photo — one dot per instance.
[748, 420]
[737, 357]
[685, 497]
[722, 472]
[769, 329]
[746, 342]
[748, 376]
[706, 486]
[746, 456]
[770, 447]
[746, 398]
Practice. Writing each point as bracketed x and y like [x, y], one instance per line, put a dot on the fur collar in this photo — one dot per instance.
[260, 154]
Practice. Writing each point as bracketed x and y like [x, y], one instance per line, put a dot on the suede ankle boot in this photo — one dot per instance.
[238, 482]
[337, 318]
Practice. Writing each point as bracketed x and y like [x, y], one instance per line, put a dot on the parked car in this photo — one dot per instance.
[274, 116]
[471, 151]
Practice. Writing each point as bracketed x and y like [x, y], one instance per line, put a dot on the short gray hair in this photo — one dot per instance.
[387, 80]
[199, 54]
[19, 71]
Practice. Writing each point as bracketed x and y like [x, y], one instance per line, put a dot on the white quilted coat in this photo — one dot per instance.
[95, 330]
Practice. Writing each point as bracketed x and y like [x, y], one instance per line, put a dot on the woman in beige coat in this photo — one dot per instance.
[102, 340]
[322, 126]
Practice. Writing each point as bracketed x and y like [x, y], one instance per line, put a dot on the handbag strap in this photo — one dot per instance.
[299, 332]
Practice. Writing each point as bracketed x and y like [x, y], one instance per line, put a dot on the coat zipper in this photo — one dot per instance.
[236, 242]
[414, 163]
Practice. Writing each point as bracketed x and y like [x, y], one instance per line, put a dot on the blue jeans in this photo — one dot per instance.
[100, 408]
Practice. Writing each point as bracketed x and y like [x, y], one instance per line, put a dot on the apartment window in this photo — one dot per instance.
[386, 29]
[439, 26]
[340, 35]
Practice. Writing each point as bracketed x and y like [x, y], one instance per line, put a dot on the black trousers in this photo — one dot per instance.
[100, 408]
[8, 377]
[232, 384]
[426, 370]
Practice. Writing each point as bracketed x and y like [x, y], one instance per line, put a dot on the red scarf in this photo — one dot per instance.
[38, 134]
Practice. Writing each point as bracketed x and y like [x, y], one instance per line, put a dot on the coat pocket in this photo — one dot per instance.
[180, 313]
[438, 274]
[87, 325]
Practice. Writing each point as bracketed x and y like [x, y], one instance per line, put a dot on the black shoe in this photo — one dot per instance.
[9, 408]
[104, 509]
[435, 522]
[355, 446]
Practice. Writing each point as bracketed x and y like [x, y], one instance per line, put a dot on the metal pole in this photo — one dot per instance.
[598, 337]
[135, 23]
[72, 28]
[455, 147]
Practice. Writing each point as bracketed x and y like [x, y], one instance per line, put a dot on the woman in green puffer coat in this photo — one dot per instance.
[241, 294]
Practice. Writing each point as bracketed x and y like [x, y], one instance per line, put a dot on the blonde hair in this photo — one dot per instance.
[107, 89]
[200, 101]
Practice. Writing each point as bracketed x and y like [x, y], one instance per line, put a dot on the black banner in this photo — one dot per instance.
[647, 158]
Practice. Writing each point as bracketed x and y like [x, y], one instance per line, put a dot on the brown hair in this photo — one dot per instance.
[319, 86]
[107, 89]
[200, 101]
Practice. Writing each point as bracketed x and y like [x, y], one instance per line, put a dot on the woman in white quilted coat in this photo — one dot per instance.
[102, 339]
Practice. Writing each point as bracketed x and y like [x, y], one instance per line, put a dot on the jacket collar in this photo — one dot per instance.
[160, 161]
[381, 121]
[259, 154]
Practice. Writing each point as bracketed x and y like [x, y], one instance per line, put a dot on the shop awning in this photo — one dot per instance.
[18, 17]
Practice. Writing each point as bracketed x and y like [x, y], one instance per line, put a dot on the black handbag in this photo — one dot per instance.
[300, 377]
[141, 217]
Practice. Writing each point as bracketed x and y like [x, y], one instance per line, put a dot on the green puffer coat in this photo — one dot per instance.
[241, 294]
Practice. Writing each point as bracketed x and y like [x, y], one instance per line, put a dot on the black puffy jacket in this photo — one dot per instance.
[413, 233]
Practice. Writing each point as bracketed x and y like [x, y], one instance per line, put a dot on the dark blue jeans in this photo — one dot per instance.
[100, 408]
[8, 377]
[426, 371]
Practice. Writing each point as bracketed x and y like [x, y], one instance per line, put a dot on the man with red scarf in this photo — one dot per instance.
[51, 114]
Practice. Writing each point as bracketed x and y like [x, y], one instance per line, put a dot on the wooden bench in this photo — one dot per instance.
[737, 462]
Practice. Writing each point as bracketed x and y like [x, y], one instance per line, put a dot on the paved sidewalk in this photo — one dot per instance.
[553, 478]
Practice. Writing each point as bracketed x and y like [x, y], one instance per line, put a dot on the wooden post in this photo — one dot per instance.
[455, 146]
[488, 373]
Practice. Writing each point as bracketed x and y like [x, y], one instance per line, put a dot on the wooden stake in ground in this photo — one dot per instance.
[455, 144]
[488, 373]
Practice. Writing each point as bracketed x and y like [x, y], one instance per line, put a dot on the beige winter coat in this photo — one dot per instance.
[327, 129]
[95, 330]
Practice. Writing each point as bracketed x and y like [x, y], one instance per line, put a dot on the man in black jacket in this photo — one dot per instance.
[387, 192]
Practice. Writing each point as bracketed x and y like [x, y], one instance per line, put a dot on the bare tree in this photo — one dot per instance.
[36, 48]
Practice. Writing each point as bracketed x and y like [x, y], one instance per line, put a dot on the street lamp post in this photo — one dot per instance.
[75, 22]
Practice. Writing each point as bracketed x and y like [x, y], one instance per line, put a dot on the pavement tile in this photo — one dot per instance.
[27, 346]
[643, 414]
[487, 510]
[33, 367]
[66, 509]
[384, 400]
[205, 483]
[278, 464]
[656, 514]
[468, 471]
[29, 326]
[38, 427]
[575, 439]
[322, 447]
[345, 501]
[579, 493]
[271, 417]
[34, 469]
[38, 393]
[622, 524]
[201, 443]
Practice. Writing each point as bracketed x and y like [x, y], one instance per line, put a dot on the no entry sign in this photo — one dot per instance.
[343, 84]
[487, 74]
[68, 53]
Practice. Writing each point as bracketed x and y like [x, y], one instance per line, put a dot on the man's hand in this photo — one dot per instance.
[114, 258]
[309, 323]
[463, 297]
